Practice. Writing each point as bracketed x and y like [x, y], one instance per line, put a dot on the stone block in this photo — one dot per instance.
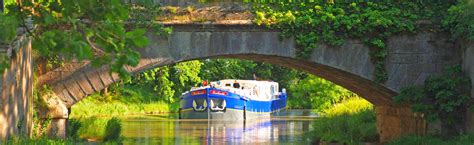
[94, 79]
[74, 89]
[57, 129]
[84, 83]
[55, 107]
[393, 122]
[180, 44]
[105, 77]
[403, 58]
[200, 44]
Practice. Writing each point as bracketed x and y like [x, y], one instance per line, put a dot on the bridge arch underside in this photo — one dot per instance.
[373, 92]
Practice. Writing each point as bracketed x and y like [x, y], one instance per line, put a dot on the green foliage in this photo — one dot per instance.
[460, 20]
[432, 140]
[332, 23]
[85, 30]
[169, 82]
[157, 78]
[444, 97]
[316, 93]
[9, 26]
[90, 107]
[92, 127]
[218, 69]
[185, 75]
[73, 126]
[349, 122]
[102, 129]
[113, 130]
[35, 141]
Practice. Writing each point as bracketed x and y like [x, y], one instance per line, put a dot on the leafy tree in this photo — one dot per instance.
[185, 75]
[83, 30]
[460, 20]
[316, 93]
[218, 69]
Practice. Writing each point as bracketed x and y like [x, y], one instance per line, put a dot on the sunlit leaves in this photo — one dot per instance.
[138, 37]
[317, 93]
[101, 31]
[332, 23]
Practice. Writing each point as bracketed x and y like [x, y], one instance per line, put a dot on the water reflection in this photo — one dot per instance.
[285, 129]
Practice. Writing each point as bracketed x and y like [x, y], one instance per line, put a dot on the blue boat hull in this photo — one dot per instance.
[224, 105]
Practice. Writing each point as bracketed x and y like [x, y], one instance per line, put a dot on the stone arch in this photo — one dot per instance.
[351, 69]
[411, 59]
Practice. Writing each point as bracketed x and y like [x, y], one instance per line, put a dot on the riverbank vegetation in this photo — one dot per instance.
[349, 122]
[79, 131]
[316, 93]
[129, 101]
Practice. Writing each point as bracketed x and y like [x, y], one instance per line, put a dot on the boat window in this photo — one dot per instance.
[272, 90]
[236, 85]
[227, 85]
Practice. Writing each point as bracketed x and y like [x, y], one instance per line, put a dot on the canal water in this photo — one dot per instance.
[288, 127]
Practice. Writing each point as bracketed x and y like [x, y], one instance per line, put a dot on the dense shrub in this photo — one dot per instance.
[349, 122]
[73, 129]
[113, 130]
[316, 93]
[105, 129]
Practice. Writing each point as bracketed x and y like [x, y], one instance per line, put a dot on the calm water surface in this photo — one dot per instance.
[286, 128]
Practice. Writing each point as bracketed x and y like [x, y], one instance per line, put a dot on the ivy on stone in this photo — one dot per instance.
[333, 23]
[445, 98]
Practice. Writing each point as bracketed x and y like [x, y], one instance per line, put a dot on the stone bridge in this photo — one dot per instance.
[412, 58]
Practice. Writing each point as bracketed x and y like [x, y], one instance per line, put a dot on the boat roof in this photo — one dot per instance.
[247, 81]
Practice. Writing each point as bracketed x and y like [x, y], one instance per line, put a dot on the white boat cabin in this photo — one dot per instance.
[252, 89]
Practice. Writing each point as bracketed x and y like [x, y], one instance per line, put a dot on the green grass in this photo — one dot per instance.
[35, 141]
[467, 139]
[101, 129]
[129, 101]
[349, 122]
[90, 107]
[46, 141]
